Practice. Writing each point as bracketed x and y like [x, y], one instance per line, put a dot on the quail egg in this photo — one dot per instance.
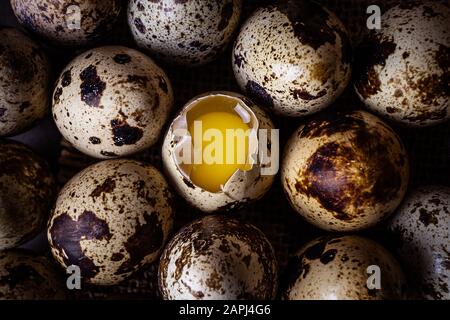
[24, 82]
[343, 268]
[110, 220]
[218, 258]
[184, 32]
[404, 68]
[67, 22]
[345, 171]
[25, 276]
[293, 57]
[112, 102]
[212, 170]
[27, 190]
[422, 226]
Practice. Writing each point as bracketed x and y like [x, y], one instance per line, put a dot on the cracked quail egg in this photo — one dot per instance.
[67, 22]
[345, 171]
[27, 190]
[215, 171]
[25, 276]
[422, 228]
[184, 32]
[339, 268]
[218, 258]
[24, 82]
[112, 102]
[403, 69]
[293, 57]
[110, 220]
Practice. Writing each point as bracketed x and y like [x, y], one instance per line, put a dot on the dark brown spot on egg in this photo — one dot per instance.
[92, 86]
[2, 112]
[163, 84]
[333, 174]
[139, 80]
[66, 78]
[66, 235]
[23, 106]
[427, 217]
[373, 52]
[239, 60]
[259, 94]
[304, 95]
[117, 257]
[328, 256]
[95, 140]
[188, 183]
[124, 134]
[139, 25]
[147, 239]
[107, 186]
[108, 153]
[122, 58]
[310, 22]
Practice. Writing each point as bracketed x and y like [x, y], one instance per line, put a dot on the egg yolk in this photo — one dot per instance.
[220, 138]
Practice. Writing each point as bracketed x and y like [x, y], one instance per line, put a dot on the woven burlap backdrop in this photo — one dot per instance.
[429, 152]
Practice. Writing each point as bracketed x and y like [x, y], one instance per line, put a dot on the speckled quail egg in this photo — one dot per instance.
[422, 226]
[25, 276]
[345, 171]
[221, 187]
[110, 220]
[67, 22]
[111, 102]
[24, 82]
[27, 191]
[218, 258]
[184, 32]
[343, 268]
[404, 68]
[293, 57]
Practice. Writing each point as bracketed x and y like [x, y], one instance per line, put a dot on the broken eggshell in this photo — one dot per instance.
[243, 186]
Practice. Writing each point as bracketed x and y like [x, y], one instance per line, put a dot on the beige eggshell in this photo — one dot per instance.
[190, 32]
[25, 276]
[111, 219]
[345, 171]
[293, 57]
[404, 68]
[422, 229]
[218, 258]
[243, 187]
[112, 102]
[68, 22]
[24, 82]
[27, 191]
[336, 268]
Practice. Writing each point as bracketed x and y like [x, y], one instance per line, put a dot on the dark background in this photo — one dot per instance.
[429, 149]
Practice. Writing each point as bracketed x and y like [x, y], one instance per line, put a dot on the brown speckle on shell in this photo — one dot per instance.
[340, 166]
[228, 242]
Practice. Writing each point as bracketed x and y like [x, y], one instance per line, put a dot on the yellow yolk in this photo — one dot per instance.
[224, 147]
